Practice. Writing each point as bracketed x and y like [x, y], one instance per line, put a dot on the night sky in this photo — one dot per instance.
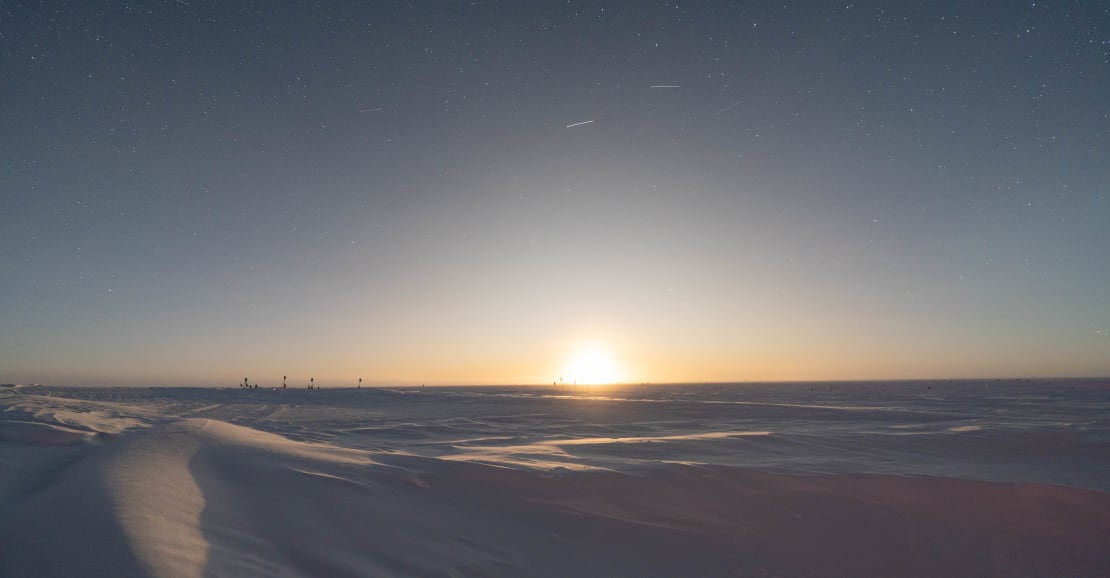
[196, 191]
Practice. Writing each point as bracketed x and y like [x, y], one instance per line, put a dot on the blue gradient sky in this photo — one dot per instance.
[199, 191]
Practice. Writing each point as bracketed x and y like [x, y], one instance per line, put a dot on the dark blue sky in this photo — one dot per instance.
[194, 191]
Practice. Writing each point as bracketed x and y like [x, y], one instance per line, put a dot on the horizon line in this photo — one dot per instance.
[379, 385]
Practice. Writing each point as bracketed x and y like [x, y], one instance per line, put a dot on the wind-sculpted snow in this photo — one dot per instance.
[516, 482]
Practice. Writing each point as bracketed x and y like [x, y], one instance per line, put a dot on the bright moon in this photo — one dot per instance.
[592, 367]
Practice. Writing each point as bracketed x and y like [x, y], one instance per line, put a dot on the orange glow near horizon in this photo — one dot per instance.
[592, 366]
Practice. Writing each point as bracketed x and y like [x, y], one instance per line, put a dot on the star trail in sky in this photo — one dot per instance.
[476, 192]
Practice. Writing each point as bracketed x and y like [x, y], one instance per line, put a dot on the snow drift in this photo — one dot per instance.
[203, 497]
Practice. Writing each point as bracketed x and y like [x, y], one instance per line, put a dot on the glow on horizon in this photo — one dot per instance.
[592, 366]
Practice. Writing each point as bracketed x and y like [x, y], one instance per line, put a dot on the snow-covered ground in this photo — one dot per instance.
[856, 481]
